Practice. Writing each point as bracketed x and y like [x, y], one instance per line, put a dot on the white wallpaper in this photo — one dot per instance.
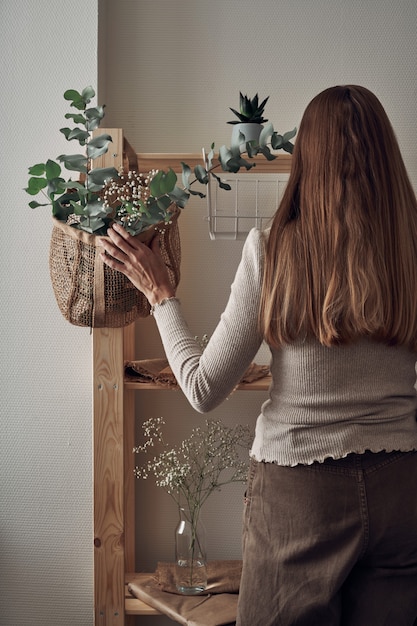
[45, 414]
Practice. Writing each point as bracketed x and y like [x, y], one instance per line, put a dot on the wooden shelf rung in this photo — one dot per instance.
[134, 606]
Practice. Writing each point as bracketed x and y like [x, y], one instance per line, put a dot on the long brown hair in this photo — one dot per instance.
[341, 257]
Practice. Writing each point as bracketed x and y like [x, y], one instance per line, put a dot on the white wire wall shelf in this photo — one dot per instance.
[251, 203]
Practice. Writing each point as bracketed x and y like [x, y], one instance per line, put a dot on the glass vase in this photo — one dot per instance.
[190, 553]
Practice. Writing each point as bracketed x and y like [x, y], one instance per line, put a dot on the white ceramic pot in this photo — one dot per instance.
[250, 132]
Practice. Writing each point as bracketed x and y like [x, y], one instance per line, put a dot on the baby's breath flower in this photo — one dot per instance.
[201, 464]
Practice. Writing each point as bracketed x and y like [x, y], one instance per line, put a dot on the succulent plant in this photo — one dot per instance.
[250, 111]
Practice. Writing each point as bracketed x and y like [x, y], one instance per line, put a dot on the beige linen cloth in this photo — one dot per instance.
[217, 606]
[159, 372]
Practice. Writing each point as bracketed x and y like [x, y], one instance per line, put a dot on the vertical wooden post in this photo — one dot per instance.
[108, 455]
[108, 463]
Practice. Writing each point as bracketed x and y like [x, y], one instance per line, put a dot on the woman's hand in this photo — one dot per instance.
[143, 265]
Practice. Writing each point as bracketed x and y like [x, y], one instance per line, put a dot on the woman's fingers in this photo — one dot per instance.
[143, 265]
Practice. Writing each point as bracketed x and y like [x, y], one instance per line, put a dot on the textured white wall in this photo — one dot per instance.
[45, 412]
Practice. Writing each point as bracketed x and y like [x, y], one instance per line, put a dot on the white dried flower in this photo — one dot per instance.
[201, 464]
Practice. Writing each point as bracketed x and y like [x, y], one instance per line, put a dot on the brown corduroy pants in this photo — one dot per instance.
[331, 544]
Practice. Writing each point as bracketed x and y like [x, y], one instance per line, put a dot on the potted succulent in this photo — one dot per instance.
[85, 205]
[250, 119]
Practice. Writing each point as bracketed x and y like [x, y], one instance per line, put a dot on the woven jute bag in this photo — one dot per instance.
[87, 291]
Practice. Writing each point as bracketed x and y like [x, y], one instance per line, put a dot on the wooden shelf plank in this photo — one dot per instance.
[134, 606]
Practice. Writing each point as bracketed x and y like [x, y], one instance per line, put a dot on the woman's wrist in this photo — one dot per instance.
[161, 303]
[161, 294]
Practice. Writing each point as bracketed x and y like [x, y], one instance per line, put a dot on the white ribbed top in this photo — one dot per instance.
[323, 402]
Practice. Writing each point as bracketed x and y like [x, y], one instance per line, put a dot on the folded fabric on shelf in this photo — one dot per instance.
[159, 372]
[216, 607]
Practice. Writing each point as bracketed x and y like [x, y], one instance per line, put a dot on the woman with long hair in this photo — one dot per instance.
[330, 519]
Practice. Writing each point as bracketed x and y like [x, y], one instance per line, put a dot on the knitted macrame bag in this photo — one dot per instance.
[87, 291]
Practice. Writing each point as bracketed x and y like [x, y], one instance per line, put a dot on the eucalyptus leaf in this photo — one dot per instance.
[77, 118]
[221, 183]
[186, 173]
[276, 141]
[163, 182]
[74, 162]
[224, 156]
[37, 170]
[52, 169]
[35, 185]
[267, 153]
[75, 98]
[98, 146]
[88, 94]
[94, 117]
[201, 174]
[80, 135]
[95, 208]
[289, 135]
[56, 185]
[163, 203]
[210, 157]
[99, 176]
[266, 133]
[35, 205]
[288, 147]
[180, 197]
[193, 192]
[91, 225]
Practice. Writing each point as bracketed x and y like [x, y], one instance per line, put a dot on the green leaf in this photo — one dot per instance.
[90, 224]
[94, 117]
[163, 182]
[56, 185]
[80, 100]
[72, 94]
[88, 94]
[252, 149]
[194, 192]
[186, 173]
[180, 197]
[224, 156]
[278, 141]
[98, 177]
[37, 170]
[289, 135]
[74, 162]
[163, 203]
[75, 187]
[221, 183]
[267, 153]
[77, 118]
[288, 147]
[35, 185]
[95, 208]
[75, 98]
[75, 133]
[61, 208]
[201, 174]
[52, 169]
[35, 205]
[266, 132]
[98, 146]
